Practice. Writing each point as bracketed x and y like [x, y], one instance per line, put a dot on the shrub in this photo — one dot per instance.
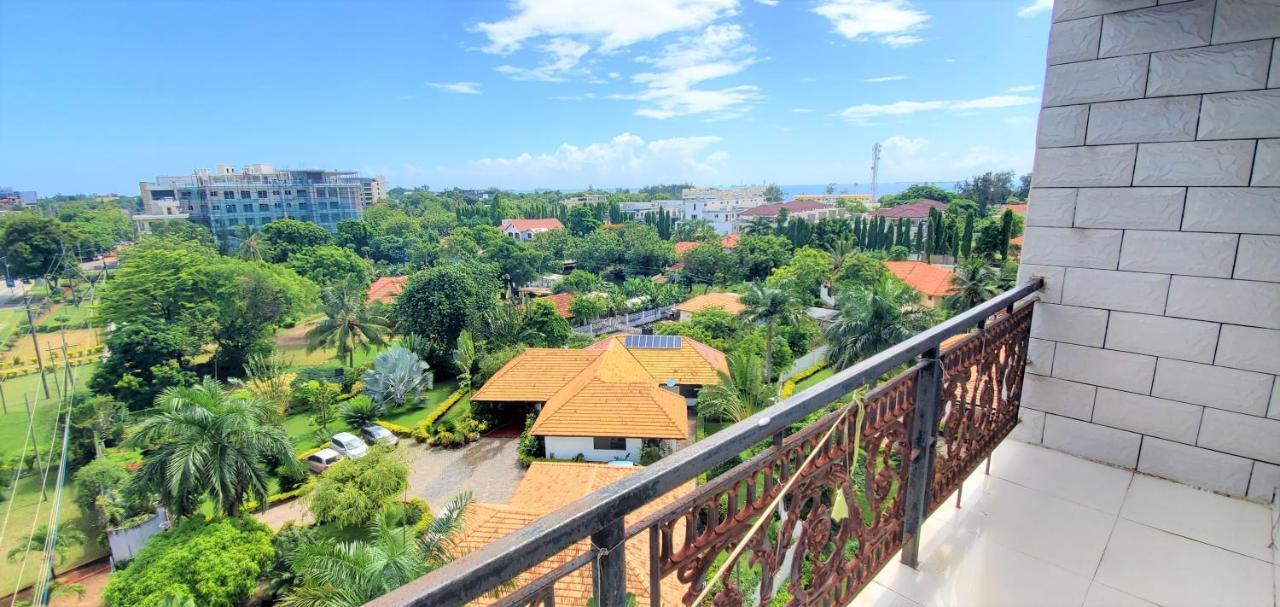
[352, 492]
[789, 386]
[492, 361]
[296, 492]
[362, 411]
[530, 447]
[215, 563]
[396, 429]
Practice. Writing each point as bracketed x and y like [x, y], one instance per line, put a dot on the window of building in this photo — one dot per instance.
[248, 208]
[185, 194]
[262, 193]
[264, 207]
[275, 192]
[233, 222]
[302, 193]
[288, 192]
[610, 443]
[229, 195]
[231, 208]
[278, 205]
[302, 206]
[246, 194]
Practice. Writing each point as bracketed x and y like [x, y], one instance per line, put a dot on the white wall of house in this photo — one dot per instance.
[1155, 220]
[568, 447]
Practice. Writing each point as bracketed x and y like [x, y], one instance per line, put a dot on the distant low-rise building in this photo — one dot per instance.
[225, 199]
[585, 199]
[386, 289]
[526, 229]
[933, 282]
[834, 198]
[720, 208]
[11, 198]
[729, 302]
[916, 211]
[796, 209]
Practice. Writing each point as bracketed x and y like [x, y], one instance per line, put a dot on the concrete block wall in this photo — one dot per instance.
[1155, 220]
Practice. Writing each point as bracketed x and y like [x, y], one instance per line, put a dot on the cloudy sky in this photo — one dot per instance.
[95, 97]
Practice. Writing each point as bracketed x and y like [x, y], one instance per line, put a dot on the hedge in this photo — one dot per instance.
[396, 429]
[304, 454]
[298, 491]
[420, 431]
[789, 386]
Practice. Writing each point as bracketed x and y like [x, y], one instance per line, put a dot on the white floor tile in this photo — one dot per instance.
[1065, 476]
[1102, 595]
[1234, 524]
[877, 595]
[972, 570]
[1171, 570]
[1049, 528]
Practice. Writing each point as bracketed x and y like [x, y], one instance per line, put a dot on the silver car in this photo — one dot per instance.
[377, 435]
[349, 445]
[321, 460]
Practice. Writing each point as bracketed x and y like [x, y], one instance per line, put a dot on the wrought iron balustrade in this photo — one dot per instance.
[924, 431]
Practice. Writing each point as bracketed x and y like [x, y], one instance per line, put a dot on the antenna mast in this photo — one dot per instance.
[875, 170]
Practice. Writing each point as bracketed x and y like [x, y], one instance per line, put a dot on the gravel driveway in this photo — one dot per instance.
[487, 468]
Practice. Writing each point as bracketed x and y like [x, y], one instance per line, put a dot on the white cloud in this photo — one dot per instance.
[915, 159]
[886, 78]
[904, 145]
[1036, 6]
[716, 52]
[892, 22]
[615, 24]
[625, 160]
[768, 2]
[564, 56]
[1022, 88]
[950, 60]
[860, 114]
[462, 88]
[802, 110]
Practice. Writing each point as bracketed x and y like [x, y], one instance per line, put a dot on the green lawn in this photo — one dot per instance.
[302, 428]
[812, 380]
[9, 319]
[28, 507]
[69, 314]
[13, 424]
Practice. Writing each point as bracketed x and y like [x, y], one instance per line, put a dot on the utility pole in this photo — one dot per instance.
[35, 343]
[875, 170]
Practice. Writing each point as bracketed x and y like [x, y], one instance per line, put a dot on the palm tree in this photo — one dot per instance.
[68, 536]
[251, 246]
[759, 226]
[349, 323]
[202, 440]
[741, 392]
[464, 356]
[348, 574]
[770, 306]
[975, 282]
[873, 317]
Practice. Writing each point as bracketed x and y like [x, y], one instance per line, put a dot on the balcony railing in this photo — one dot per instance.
[924, 431]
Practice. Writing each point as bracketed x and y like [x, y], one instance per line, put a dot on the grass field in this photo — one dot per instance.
[292, 345]
[9, 319]
[13, 424]
[71, 315]
[302, 428]
[77, 339]
[28, 507]
[812, 380]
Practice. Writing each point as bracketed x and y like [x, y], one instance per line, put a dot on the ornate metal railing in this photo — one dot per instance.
[847, 512]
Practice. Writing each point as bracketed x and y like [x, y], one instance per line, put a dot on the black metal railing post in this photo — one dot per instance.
[609, 574]
[924, 436]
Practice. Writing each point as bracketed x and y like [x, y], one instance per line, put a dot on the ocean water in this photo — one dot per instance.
[861, 188]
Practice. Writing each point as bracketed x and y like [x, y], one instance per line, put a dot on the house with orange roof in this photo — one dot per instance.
[1018, 209]
[933, 282]
[602, 402]
[729, 302]
[548, 486]
[386, 289]
[526, 229]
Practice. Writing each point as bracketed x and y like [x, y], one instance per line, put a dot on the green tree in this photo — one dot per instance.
[582, 221]
[164, 279]
[183, 231]
[708, 263]
[438, 303]
[147, 356]
[102, 491]
[739, 394]
[770, 307]
[803, 275]
[772, 193]
[353, 492]
[544, 323]
[644, 251]
[588, 307]
[68, 538]
[927, 191]
[251, 300]
[350, 574]
[872, 317]
[464, 356]
[251, 247]
[331, 265]
[599, 250]
[974, 282]
[284, 237]
[988, 189]
[398, 377]
[215, 563]
[206, 443]
[349, 324]
[759, 255]
[321, 398]
[34, 246]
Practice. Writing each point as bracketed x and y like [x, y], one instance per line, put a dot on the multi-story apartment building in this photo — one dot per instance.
[374, 189]
[10, 197]
[585, 199]
[720, 208]
[225, 199]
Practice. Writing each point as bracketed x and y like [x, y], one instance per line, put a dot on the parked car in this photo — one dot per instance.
[377, 435]
[349, 445]
[321, 460]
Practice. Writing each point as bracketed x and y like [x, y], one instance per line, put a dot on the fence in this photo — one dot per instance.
[924, 431]
[623, 322]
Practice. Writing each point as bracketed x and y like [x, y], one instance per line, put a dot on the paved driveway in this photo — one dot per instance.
[487, 468]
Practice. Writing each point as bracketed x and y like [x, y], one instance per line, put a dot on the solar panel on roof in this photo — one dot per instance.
[659, 342]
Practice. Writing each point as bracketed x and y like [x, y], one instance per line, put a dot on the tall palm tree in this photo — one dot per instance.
[873, 317]
[975, 282]
[348, 574]
[740, 393]
[204, 441]
[251, 245]
[771, 307]
[349, 323]
[68, 537]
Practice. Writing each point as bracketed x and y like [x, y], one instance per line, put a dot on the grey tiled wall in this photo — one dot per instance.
[1155, 219]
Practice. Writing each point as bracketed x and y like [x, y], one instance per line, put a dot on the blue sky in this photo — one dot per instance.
[97, 96]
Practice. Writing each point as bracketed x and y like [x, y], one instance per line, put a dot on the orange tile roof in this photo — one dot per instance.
[730, 241]
[729, 301]
[612, 408]
[386, 288]
[535, 375]
[684, 246]
[562, 302]
[550, 485]
[1018, 209]
[694, 364]
[930, 280]
[1016, 241]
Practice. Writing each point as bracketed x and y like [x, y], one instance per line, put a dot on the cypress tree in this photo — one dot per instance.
[1006, 233]
[966, 240]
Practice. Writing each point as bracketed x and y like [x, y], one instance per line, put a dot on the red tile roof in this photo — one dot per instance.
[684, 246]
[930, 280]
[730, 241]
[524, 225]
[916, 209]
[794, 206]
[562, 301]
[1018, 209]
[386, 288]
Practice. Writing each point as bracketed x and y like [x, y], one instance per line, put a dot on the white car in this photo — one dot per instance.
[349, 445]
[321, 460]
[377, 435]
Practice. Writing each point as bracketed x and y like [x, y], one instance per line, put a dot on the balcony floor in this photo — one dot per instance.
[1046, 528]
